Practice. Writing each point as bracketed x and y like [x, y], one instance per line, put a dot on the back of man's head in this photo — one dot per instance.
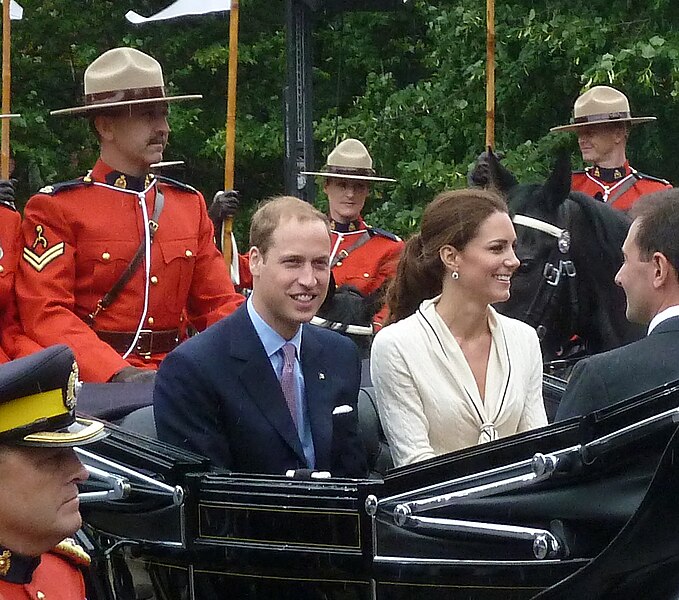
[657, 218]
[272, 212]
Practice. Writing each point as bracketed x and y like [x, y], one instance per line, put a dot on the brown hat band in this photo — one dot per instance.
[350, 171]
[146, 93]
[602, 117]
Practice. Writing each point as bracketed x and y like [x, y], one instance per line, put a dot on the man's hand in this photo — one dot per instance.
[479, 174]
[134, 375]
[224, 204]
[7, 191]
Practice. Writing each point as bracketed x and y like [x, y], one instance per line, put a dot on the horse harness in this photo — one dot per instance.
[558, 274]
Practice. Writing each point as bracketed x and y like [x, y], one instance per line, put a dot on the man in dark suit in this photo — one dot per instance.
[262, 391]
[650, 279]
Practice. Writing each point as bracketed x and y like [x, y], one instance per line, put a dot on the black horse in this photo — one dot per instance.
[569, 246]
[347, 311]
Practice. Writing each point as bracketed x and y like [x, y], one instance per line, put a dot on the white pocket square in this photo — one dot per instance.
[341, 410]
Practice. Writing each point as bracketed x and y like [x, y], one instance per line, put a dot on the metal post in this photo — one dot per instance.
[299, 149]
[6, 87]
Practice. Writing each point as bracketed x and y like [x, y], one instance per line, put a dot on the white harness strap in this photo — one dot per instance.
[548, 228]
[334, 326]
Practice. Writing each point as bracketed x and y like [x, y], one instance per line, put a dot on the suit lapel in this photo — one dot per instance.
[669, 325]
[260, 381]
[319, 402]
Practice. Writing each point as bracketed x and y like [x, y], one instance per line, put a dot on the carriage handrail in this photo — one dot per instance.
[612, 440]
[113, 468]
[119, 491]
[542, 467]
[544, 543]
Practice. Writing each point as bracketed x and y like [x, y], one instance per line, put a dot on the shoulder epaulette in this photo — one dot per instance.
[55, 188]
[73, 552]
[8, 205]
[579, 172]
[383, 233]
[639, 175]
[178, 184]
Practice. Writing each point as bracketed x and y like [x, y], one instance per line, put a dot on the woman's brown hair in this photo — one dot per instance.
[452, 218]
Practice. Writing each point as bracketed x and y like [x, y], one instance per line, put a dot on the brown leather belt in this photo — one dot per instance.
[149, 342]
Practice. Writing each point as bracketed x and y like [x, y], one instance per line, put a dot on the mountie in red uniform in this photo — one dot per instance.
[14, 343]
[620, 187]
[80, 237]
[362, 256]
[55, 575]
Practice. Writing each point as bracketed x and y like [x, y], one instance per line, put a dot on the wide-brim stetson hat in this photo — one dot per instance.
[349, 160]
[122, 77]
[601, 104]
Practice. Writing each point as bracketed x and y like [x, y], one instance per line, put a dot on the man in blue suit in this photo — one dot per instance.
[262, 391]
[650, 279]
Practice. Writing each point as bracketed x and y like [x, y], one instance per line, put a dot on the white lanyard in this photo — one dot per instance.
[607, 190]
[141, 197]
[340, 237]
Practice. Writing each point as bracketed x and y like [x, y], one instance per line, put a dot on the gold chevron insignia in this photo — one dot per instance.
[39, 262]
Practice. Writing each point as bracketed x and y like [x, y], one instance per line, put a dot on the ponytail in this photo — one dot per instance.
[418, 277]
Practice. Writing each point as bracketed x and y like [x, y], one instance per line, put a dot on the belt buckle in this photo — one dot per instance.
[144, 345]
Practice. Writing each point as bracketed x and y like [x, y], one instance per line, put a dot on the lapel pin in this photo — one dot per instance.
[321, 376]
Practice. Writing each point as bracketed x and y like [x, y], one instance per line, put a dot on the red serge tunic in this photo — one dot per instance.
[620, 187]
[14, 343]
[54, 575]
[80, 236]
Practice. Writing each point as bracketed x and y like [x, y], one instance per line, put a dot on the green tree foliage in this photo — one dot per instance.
[409, 83]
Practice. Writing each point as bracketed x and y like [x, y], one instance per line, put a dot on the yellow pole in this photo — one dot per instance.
[6, 89]
[230, 152]
[490, 73]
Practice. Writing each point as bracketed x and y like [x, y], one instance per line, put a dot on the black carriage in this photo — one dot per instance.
[586, 504]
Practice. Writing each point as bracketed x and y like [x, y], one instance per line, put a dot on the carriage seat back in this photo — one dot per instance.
[372, 434]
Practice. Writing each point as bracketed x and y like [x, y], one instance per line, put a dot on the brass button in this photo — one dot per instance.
[338, 263]
[151, 320]
[154, 279]
[39, 595]
[366, 275]
[189, 253]
[106, 256]
[2, 268]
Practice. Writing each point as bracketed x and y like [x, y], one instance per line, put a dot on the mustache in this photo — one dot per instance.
[159, 139]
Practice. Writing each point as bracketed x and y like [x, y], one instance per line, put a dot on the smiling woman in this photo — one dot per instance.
[451, 372]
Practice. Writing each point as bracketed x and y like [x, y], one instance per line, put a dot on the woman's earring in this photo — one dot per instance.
[455, 275]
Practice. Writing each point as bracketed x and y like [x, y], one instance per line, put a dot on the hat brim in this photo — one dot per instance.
[346, 176]
[92, 108]
[78, 433]
[575, 126]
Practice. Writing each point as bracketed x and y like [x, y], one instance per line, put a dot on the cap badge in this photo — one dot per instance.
[72, 387]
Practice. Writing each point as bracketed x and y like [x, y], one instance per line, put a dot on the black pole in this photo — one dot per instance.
[299, 142]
